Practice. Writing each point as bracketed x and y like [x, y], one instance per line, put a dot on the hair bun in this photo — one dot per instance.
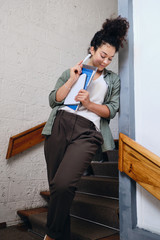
[117, 27]
[113, 32]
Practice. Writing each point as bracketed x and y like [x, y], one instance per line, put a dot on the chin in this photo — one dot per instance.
[101, 69]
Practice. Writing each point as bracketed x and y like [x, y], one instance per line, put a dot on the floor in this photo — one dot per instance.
[17, 233]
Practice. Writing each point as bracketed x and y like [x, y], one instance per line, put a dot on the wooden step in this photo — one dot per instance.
[100, 186]
[95, 185]
[110, 156]
[80, 229]
[83, 230]
[109, 169]
[38, 222]
[97, 209]
[45, 194]
[29, 212]
[25, 214]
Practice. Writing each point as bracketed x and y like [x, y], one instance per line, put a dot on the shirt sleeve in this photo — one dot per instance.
[52, 96]
[113, 100]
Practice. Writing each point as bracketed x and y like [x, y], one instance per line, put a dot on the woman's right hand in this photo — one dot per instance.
[63, 91]
[76, 71]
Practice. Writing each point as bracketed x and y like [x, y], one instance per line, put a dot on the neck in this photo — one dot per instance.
[100, 72]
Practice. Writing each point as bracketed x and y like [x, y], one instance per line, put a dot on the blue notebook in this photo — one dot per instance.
[85, 79]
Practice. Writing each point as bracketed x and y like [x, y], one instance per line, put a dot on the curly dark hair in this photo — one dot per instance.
[113, 32]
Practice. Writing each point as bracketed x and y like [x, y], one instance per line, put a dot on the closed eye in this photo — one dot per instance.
[103, 56]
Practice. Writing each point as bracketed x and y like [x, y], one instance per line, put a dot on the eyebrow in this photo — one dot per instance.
[107, 54]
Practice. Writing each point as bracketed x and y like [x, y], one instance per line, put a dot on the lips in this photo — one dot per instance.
[102, 65]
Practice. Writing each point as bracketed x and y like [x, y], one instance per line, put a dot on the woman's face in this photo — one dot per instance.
[102, 57]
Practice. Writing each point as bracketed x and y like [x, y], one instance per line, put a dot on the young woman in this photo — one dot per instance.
[72, 138]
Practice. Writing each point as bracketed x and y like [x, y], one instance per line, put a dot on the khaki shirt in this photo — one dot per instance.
[111, 100]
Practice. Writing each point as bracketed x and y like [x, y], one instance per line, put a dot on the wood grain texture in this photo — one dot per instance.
[45, 193]
[140, 164]
[28, 212]
[25, 140]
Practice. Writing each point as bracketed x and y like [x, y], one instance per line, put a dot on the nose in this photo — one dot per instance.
[106, 61]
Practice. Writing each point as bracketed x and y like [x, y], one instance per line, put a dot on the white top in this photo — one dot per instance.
[97, 91]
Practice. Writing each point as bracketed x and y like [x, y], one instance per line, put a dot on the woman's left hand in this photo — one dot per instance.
[99, 109]
[83, 97]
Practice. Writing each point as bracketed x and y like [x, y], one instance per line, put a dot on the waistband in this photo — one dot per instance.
[77, 118]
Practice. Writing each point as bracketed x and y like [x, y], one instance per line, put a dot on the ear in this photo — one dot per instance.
[92, 51]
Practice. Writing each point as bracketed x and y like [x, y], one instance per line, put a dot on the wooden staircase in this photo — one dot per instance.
[95, 208]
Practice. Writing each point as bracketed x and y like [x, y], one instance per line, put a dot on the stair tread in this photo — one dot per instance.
[108, 168]
[38, 219]
[88, 178]
[45, 193]
[96, 208]
[89, 231]
[96, 200]
[95, 185]
[100, 178]
[80, 228]
[104, 163]
[28, 212]
[99, 185]
[111, 156]
[89, 197]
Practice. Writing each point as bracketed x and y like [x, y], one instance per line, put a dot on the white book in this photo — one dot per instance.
[70, 99]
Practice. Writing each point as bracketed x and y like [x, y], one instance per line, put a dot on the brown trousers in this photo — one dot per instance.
[68, 152]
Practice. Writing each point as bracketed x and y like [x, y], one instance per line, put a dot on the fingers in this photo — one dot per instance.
[78, 68]
[80, 62]
[76, 71]
[83, 95]
[83, 91]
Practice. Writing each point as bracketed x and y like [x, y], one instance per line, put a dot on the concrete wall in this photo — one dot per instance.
[38, 40]
[147, 105]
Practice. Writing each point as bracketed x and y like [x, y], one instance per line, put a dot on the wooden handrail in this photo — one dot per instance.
[140, 164]
[25, 140]
[28, 139]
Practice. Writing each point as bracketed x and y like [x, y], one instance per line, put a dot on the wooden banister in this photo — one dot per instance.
[140, 164]
[25, 140]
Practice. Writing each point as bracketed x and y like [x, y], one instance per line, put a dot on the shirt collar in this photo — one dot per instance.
[106, 72]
